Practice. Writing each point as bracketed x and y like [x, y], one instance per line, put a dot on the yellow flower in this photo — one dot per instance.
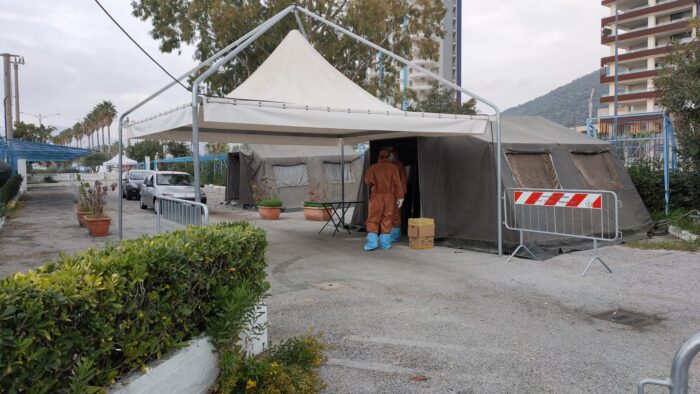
[251, 384]
[274, 365]
[231, 270]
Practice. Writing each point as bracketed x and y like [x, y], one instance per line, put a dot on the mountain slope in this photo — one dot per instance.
[567, 104]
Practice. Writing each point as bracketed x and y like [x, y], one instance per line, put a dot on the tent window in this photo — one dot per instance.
[597, 170]
[290, 176]
[333, 173]
[533, 170]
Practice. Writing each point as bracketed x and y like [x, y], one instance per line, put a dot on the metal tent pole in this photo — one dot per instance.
[124, 115]
[342, 179]
[257, 32]
[445, 82]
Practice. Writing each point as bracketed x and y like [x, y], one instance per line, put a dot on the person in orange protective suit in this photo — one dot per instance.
[384, 184]
[396, 219]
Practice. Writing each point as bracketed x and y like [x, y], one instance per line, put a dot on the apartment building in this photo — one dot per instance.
[448, 64]
[449, 61]
[644, 30]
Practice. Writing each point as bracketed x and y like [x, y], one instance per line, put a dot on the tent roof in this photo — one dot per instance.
[538, 130]
[296, 74]
[297, 97]
[37, 151]
[294, 151]
[115, 161]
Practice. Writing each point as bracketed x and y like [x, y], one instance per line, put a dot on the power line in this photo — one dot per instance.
[140, 47]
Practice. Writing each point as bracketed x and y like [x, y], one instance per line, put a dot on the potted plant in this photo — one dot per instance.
[269, 206]
[97, 221]
[83, 207]
[314, 208]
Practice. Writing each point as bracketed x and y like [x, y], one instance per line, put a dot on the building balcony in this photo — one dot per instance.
[629, 75]
[668, 28]
[638, 54]
[646, 10]
[628, 96]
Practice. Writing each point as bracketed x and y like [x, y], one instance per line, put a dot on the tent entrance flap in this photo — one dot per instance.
[406, 150]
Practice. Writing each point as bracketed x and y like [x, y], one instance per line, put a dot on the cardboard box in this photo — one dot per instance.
[421, 227]
[421, 242]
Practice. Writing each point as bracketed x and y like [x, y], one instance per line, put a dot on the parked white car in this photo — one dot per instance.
[171, 184]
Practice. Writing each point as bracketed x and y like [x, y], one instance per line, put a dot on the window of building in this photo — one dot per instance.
[533, 170]
[597, 170]
[333, 173]
[290, 176]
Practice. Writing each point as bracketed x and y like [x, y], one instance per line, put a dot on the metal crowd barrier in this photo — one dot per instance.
[677, 383]
[587, 214]
[183, 212]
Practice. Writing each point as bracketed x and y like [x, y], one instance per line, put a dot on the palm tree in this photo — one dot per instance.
[78, 134]
[109, 112]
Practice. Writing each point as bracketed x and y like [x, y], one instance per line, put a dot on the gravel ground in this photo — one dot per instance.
[467, 321]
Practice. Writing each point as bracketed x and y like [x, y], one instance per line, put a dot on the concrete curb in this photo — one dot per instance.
[682, 234]
[194, 368]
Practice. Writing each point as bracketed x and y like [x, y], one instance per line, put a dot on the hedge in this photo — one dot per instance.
[9, 190]
[78, 324]
[684, 187]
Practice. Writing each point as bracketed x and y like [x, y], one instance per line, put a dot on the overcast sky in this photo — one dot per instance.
[513, 51]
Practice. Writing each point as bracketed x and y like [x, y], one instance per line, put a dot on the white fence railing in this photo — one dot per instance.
[586, 214]
[183, 212]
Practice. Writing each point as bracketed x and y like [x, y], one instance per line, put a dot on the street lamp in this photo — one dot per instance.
[40, 117]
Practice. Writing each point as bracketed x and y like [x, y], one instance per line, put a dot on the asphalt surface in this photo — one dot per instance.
[466, 321]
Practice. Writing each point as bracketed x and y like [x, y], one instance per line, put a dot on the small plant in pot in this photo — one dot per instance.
[83, 207]
[269, 206]
[97, 221]
[314, 208]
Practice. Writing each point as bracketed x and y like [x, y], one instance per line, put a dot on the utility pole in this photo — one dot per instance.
[7, 101]
[40, 117]
[16, 61]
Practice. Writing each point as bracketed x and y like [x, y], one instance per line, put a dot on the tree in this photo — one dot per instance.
[178, 149]
[145, 148]
[107, 114]
[32, 132]
[443, 101]
[94, 160]
[216, 147]
[678, 89]
[211, 25]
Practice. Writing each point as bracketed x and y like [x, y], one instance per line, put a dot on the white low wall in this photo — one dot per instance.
[101, 176]
[193, 369]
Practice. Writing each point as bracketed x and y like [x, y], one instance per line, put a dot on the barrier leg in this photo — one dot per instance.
[521, 246]
[655, 382]
[595, 257]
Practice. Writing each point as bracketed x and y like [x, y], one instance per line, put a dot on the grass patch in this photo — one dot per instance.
[687, 246]
[681, 218]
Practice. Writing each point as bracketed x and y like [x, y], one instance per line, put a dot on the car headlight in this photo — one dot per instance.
[132, 184]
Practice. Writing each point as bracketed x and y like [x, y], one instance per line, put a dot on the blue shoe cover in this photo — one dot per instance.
[372, 240]
[395, 234]
[385, 241]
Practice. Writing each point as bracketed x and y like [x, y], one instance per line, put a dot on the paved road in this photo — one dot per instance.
[467, 321]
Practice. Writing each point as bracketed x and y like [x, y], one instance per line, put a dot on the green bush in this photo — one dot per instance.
[78, 324]
[288, 368]
[9, 190]
[684, 187]
[273, 202]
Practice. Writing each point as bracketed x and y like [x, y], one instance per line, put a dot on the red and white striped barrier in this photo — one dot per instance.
[559, 199]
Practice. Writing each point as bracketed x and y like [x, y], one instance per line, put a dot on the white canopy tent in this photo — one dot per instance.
[114, 162]
[297, 97]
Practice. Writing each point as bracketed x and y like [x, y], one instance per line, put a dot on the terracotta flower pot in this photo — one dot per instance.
[316, 213]
[269, 213]
[98, 227]
[81, 217]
